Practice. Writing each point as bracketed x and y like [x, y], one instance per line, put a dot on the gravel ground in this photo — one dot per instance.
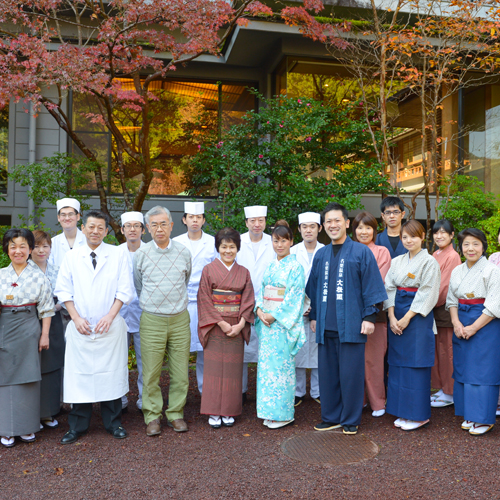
[245, 461]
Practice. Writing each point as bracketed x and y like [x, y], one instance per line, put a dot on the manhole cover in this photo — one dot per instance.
[329, 448]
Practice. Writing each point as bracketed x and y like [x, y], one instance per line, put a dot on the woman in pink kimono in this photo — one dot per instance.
[364, 230]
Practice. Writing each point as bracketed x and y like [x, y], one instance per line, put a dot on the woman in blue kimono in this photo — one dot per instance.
[474, 303]
[412, 285]
[280, 329]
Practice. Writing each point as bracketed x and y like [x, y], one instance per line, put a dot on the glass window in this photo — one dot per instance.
[183, 114]
[4, 147]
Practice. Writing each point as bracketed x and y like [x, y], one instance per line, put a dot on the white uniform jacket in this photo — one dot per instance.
[60, 247]
[256, 266]
[131, 313]
[204, 253]
[96, 364]
[307, 357]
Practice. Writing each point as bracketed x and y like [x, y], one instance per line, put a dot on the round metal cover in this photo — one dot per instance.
[329, 448]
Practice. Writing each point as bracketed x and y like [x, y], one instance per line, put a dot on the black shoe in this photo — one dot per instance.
[317, 400]
[119, 433]
[244, 398]
[350, 429]
[298, 400]
[326, 426]
[70, 437]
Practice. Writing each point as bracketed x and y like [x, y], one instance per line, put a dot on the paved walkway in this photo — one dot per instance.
[245, 461]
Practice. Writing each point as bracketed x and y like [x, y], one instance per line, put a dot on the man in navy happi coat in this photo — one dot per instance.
[344, 287]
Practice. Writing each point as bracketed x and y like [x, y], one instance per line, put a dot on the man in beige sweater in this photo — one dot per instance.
[162, 269]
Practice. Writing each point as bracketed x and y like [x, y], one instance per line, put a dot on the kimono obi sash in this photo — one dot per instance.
[273, 296]
[475, 360]
[471, 301]
[407, 289]
[226, 301]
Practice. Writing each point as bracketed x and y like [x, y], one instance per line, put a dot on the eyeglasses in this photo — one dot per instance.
[393, 212]
[69, 215]
[155, 225]
[132, 226]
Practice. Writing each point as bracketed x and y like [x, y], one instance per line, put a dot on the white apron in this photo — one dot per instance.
[96, 365]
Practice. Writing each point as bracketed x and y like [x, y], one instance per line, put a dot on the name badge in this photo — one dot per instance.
[9, 297]
[411, 276]
[470, 295]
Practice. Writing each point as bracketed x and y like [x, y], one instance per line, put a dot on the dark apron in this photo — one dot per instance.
[19, 337]
[415, 347]
[53, 358]
[477, 360]
[442, 317]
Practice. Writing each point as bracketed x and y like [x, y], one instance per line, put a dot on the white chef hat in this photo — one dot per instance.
[132, 217]
[308, 217]
[255, 211]
[68, 202]
[194, 207]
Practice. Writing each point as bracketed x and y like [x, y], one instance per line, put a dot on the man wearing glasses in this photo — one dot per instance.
[133, 229]
[393, 212]
[162, 269]
[68, 215]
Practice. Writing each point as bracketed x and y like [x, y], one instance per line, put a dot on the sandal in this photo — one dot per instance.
[440, 403]
[51, 423]
[215, 421]
[8, 441]
[28, 438]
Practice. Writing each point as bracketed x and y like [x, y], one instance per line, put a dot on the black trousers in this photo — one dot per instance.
[341, 370]
[81, 413]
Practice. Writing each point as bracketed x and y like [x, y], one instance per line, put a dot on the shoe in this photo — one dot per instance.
[267, 422]
[214, 421]
[325, 426]
[277, 425]
[41, 426]
[70, 437]
[178, 425]
[498, 411]
[317, 400]
[442, 401]
[153, 428]
[437, 395]
[467, 425]
[350, 429]
[119, 433]
[139, 404]
[227, 421]
[298, 400]
[244, 398]
[399, 422]
[51, 423]
[124, 410]
[412, 425]
[480, 429]
[378, 413]
[8, 441]
[28, 438]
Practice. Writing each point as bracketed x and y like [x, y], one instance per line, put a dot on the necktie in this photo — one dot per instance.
[94, 262]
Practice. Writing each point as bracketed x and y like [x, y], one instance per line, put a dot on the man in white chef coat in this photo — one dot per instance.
[202, 248]
[307, 357]
[68, 215]
[94, 282]
[255, 254]
[133, 229]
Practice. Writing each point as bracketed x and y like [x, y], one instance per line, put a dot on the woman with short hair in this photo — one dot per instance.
[412, 285]
[280, 329]
[474, 304]
[52, 360]
[225, 313]
[364, 230]
[25, 296]
[442, 371]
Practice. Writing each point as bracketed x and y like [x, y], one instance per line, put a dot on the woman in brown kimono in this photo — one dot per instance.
[225, 312]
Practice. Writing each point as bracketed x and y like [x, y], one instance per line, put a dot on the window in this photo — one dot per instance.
[183, 114]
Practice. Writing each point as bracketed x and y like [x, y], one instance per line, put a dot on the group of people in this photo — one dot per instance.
[376, 319]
